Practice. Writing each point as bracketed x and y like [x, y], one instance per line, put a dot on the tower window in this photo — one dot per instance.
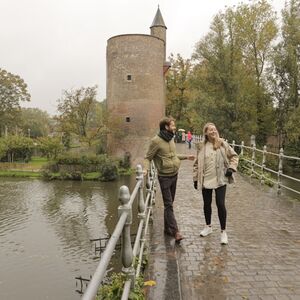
[129, 77]
[127, 119]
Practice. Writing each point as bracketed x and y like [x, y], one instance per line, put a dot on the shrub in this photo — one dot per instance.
[108, 171]
[77, 175]
[126, 161]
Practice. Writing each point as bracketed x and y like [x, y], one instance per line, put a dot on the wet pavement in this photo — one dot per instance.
[261, 261]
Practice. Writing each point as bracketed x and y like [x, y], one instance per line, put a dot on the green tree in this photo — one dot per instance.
[179, 91]
[256, 33]
[17, 147]
[285, 76]
[35, 122]
[229, 71]
[81, 114]
[50, 146]
[13, 91]
[221, 80]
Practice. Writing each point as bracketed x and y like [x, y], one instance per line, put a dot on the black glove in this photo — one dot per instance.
[196, 185]
[229, 172]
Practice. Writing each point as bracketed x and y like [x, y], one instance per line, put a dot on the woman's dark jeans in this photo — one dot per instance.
[220, 201]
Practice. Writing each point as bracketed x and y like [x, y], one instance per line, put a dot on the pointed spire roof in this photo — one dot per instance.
[158, 20]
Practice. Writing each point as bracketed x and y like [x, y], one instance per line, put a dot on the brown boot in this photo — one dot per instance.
[178, 237]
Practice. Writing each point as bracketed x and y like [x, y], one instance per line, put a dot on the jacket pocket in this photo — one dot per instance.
[170, 165]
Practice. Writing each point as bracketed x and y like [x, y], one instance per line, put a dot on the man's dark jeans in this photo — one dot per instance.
[168, 190]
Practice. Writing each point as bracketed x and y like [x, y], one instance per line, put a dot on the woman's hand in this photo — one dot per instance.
[229, 172]
[196, 185]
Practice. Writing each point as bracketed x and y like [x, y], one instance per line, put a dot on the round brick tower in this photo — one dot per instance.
[135, 89]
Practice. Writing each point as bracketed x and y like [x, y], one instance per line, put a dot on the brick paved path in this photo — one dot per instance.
[261, 261]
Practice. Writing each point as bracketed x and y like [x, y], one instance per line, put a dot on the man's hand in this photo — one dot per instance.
[196, 185]
[145, 172]
[191, 157]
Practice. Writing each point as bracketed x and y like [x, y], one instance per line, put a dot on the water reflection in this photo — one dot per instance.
[12, 213]
[45, 232]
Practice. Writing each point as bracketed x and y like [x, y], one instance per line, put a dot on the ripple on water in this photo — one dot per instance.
[51, 224]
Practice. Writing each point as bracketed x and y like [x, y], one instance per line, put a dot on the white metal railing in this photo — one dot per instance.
[256, 165]
[128, 253]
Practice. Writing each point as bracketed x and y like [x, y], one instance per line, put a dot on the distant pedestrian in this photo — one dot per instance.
[183, 137]
[163, 152]
[189, 139]
[214, 166]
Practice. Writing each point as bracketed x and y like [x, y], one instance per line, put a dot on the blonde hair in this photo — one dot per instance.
[217, 143]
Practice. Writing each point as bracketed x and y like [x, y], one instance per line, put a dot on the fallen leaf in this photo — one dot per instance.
[149, 283]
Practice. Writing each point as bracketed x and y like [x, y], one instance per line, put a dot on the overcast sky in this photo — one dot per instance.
[57, 45]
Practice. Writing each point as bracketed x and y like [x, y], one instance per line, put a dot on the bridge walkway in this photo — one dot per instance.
[261, 261]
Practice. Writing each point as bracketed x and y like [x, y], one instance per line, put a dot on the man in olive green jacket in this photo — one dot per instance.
[162, 151]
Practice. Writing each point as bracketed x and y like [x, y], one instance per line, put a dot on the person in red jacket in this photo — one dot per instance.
[189, 139]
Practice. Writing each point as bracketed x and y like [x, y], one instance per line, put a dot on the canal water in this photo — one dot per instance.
[45, 232]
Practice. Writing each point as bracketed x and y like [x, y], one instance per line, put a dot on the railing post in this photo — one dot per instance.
[242, 148]
[153, 189]
[263, 165]
[280, 164]
[126, 248]
[141, 202]
[253, 159]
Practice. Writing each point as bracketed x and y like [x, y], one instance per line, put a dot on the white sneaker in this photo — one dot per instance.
[206, 231]
[224, 238]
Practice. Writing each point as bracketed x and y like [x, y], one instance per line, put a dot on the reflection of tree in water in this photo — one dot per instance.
[80, 211]
[111, 192]
[77, 211]
[14, 210]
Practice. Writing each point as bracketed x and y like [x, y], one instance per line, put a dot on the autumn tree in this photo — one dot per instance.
[178, 89]
[13, 91]
[285, 78]
[80, 114]
[256, 32]
[229, 71]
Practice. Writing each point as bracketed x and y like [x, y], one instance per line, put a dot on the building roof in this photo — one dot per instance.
[158, 20]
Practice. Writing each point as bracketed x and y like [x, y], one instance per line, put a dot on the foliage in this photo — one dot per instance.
[35, 122]
[20, 174]
[79, 167]
[84, 160]
[114, 290]
[125, 162]
[82, 115]
[229, 68]
[3, 148]
[14, 147]
[13, 91]
[238, 78]
[108, 171]
[178, 90]
[245, 168]
[285, 76]
[51, 147]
